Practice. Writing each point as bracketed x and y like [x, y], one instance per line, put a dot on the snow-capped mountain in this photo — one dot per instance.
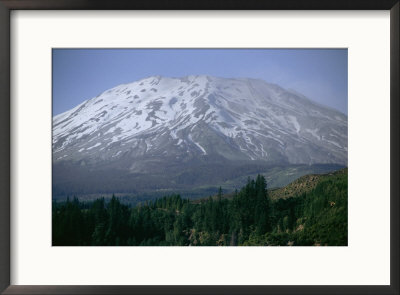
[164, 124]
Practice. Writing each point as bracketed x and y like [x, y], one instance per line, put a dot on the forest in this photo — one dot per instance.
[314, 216]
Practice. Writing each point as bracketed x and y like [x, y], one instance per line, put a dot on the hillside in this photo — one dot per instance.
[302, 185]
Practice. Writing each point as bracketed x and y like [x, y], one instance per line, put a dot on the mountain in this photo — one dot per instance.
[173, 133]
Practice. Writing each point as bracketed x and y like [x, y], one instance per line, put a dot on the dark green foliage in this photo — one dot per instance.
[250, 217]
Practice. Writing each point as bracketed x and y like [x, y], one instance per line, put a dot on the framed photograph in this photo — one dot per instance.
[157, 147]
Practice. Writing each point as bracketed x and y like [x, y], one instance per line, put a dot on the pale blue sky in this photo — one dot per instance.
[80, 74]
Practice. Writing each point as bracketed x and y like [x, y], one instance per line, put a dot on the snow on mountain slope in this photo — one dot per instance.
[181, 119]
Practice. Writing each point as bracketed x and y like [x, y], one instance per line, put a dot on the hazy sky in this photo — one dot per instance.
[80, 74]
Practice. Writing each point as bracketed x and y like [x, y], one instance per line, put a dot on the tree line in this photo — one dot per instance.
[249, 217]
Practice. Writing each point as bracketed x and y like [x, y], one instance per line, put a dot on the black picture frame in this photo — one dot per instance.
[6, 6]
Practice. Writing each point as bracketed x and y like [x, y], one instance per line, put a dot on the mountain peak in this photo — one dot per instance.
[199, 115]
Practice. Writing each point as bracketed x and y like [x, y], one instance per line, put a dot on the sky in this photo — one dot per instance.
[80, 74]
